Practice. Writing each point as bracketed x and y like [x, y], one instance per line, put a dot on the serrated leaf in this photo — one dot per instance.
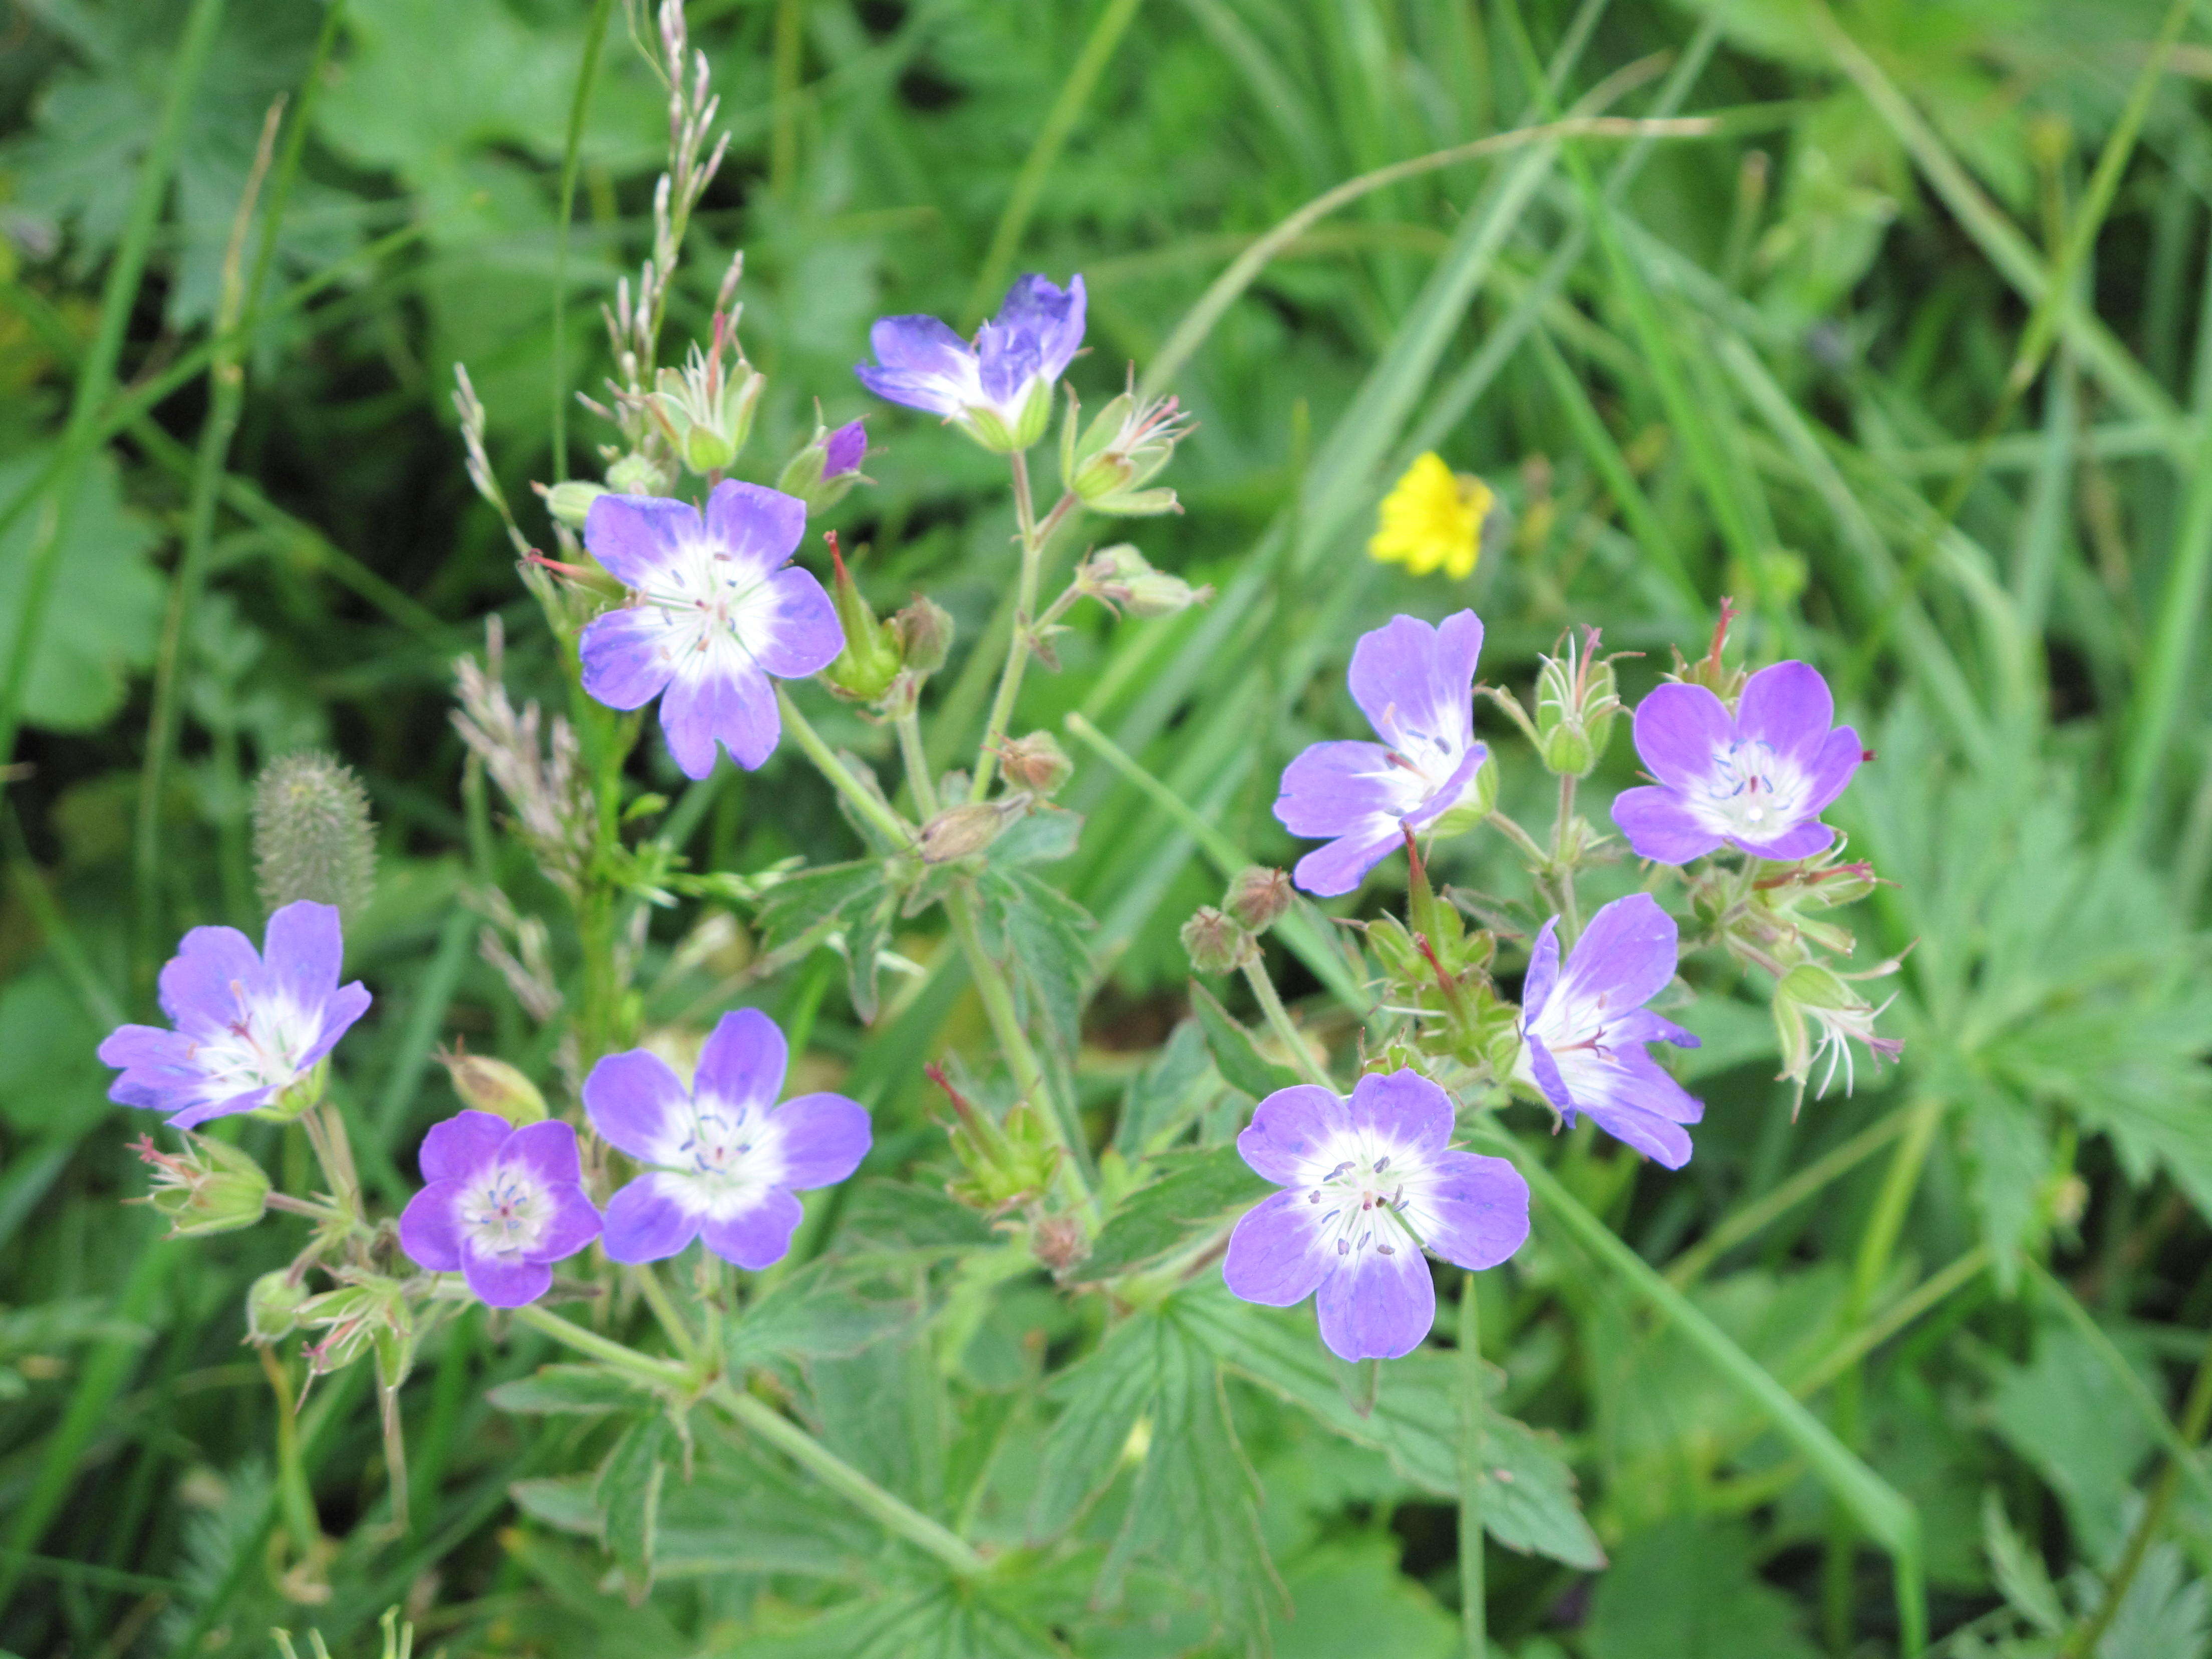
[1196, 1191]
[1102, 1396]
[585, 1389]
[1048, 833]
[802, 902]
[627, 1495]
[565, 1503]
[2018, 1571]
[902, 1216]
[1039, 931]
[1686, 1589]
[1167, 1094]
[1241, 1065]
[808, 1317]
[1528, 1501]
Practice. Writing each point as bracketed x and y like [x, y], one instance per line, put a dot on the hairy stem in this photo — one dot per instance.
[1034, 537]
[1278, 1017]
[662, 1372]
[864, 800]
[1563, 869]
[911, 750]
[665, 1311]
[292, 1492]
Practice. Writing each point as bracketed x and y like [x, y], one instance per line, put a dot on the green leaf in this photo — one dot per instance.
[1167, 1094]
[1040, 931]
[566, 1503]
[2021, 1577]
[627, 1495]
[1528, 1504]
[51, 1081]
[583, 1388]
[106, 609]
[1241, 1063]
[1193, 1194]
[857, 898]
[1686, 1589]
[2039, 1409]
[808, 1317]
[1102, 1396]
[902, 1216]
[1047, 834]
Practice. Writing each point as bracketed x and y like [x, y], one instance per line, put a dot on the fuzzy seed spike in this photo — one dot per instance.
[312, 835]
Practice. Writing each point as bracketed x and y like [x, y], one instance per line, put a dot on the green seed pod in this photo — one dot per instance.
[1218, 943]
[312, 837]
[272, 1307]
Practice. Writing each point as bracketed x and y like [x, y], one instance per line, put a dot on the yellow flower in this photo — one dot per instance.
[1433, 518]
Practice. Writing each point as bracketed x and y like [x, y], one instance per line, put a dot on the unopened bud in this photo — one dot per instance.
[959, 832]
[272, 1306]
[1576, 700]
[1036, 764]
[865, 668]
[1258, 898]
[313, 838]
[637, 474]
[1811, 986]
[821, 473]
[570, 500]
[1218, 943]
[706, 413]
[1122, 575]
[1162, 595]
[925, 634]
[212, 1188]
[486, 1085]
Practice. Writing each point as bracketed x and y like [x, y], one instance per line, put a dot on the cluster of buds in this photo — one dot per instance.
[1224, 938]
[1003, 1164]
[212, 1187]
[704, 411]
[1436, 970]
[1120, 451]
[1122, 577]
[1577, 700]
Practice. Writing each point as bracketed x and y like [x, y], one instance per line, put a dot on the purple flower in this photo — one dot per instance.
[713, 613]
[501, 1206]
[1000, 389]
[1367, 1182]
[1756, 781]
[1416, 685]
[1584, 1029]
[248, 1026]
[843, 449]
[723, 1158]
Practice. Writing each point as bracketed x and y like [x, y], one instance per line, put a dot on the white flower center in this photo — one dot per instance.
[1752, 791]
[727, 1156]
[1363, 1197]
[712, 603]
[260, 1049]
[506, 1210]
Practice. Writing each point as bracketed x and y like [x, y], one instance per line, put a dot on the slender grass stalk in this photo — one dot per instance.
[1473, 1598]
[1885, 1514]
[96, 371]
[783, 99]
[588, 76]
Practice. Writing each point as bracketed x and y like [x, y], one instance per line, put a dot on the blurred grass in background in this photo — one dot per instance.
[1909, 356]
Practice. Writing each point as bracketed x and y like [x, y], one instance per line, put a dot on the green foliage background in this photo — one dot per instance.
[1759, 367]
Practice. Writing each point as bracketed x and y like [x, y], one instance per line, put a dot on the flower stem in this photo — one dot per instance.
[841, 777]
[298, 1502]
[1013, 1042]
[1563, 869]
[1474, 1609]
[1034, 538]
[1263, 988]
[656, 1297]
[1520, 838]
[893, 1513]
[601, 1348]
[911, 750]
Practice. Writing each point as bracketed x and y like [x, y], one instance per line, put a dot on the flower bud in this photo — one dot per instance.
[272, 1306]
[637, 474]
[213, 1188]
[1576, 701]
[312, 837]
[959, 832]
[925, 634]
[1124, 448]
[865, 668]
[1036, 764]
[369, 1315]
[1122, 575]
[1218, 943]
[1809, 985]
[486, 1085]
[1258, 898]
[706, 414]
[570, 500]
[1709, 670]
[821, 473]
